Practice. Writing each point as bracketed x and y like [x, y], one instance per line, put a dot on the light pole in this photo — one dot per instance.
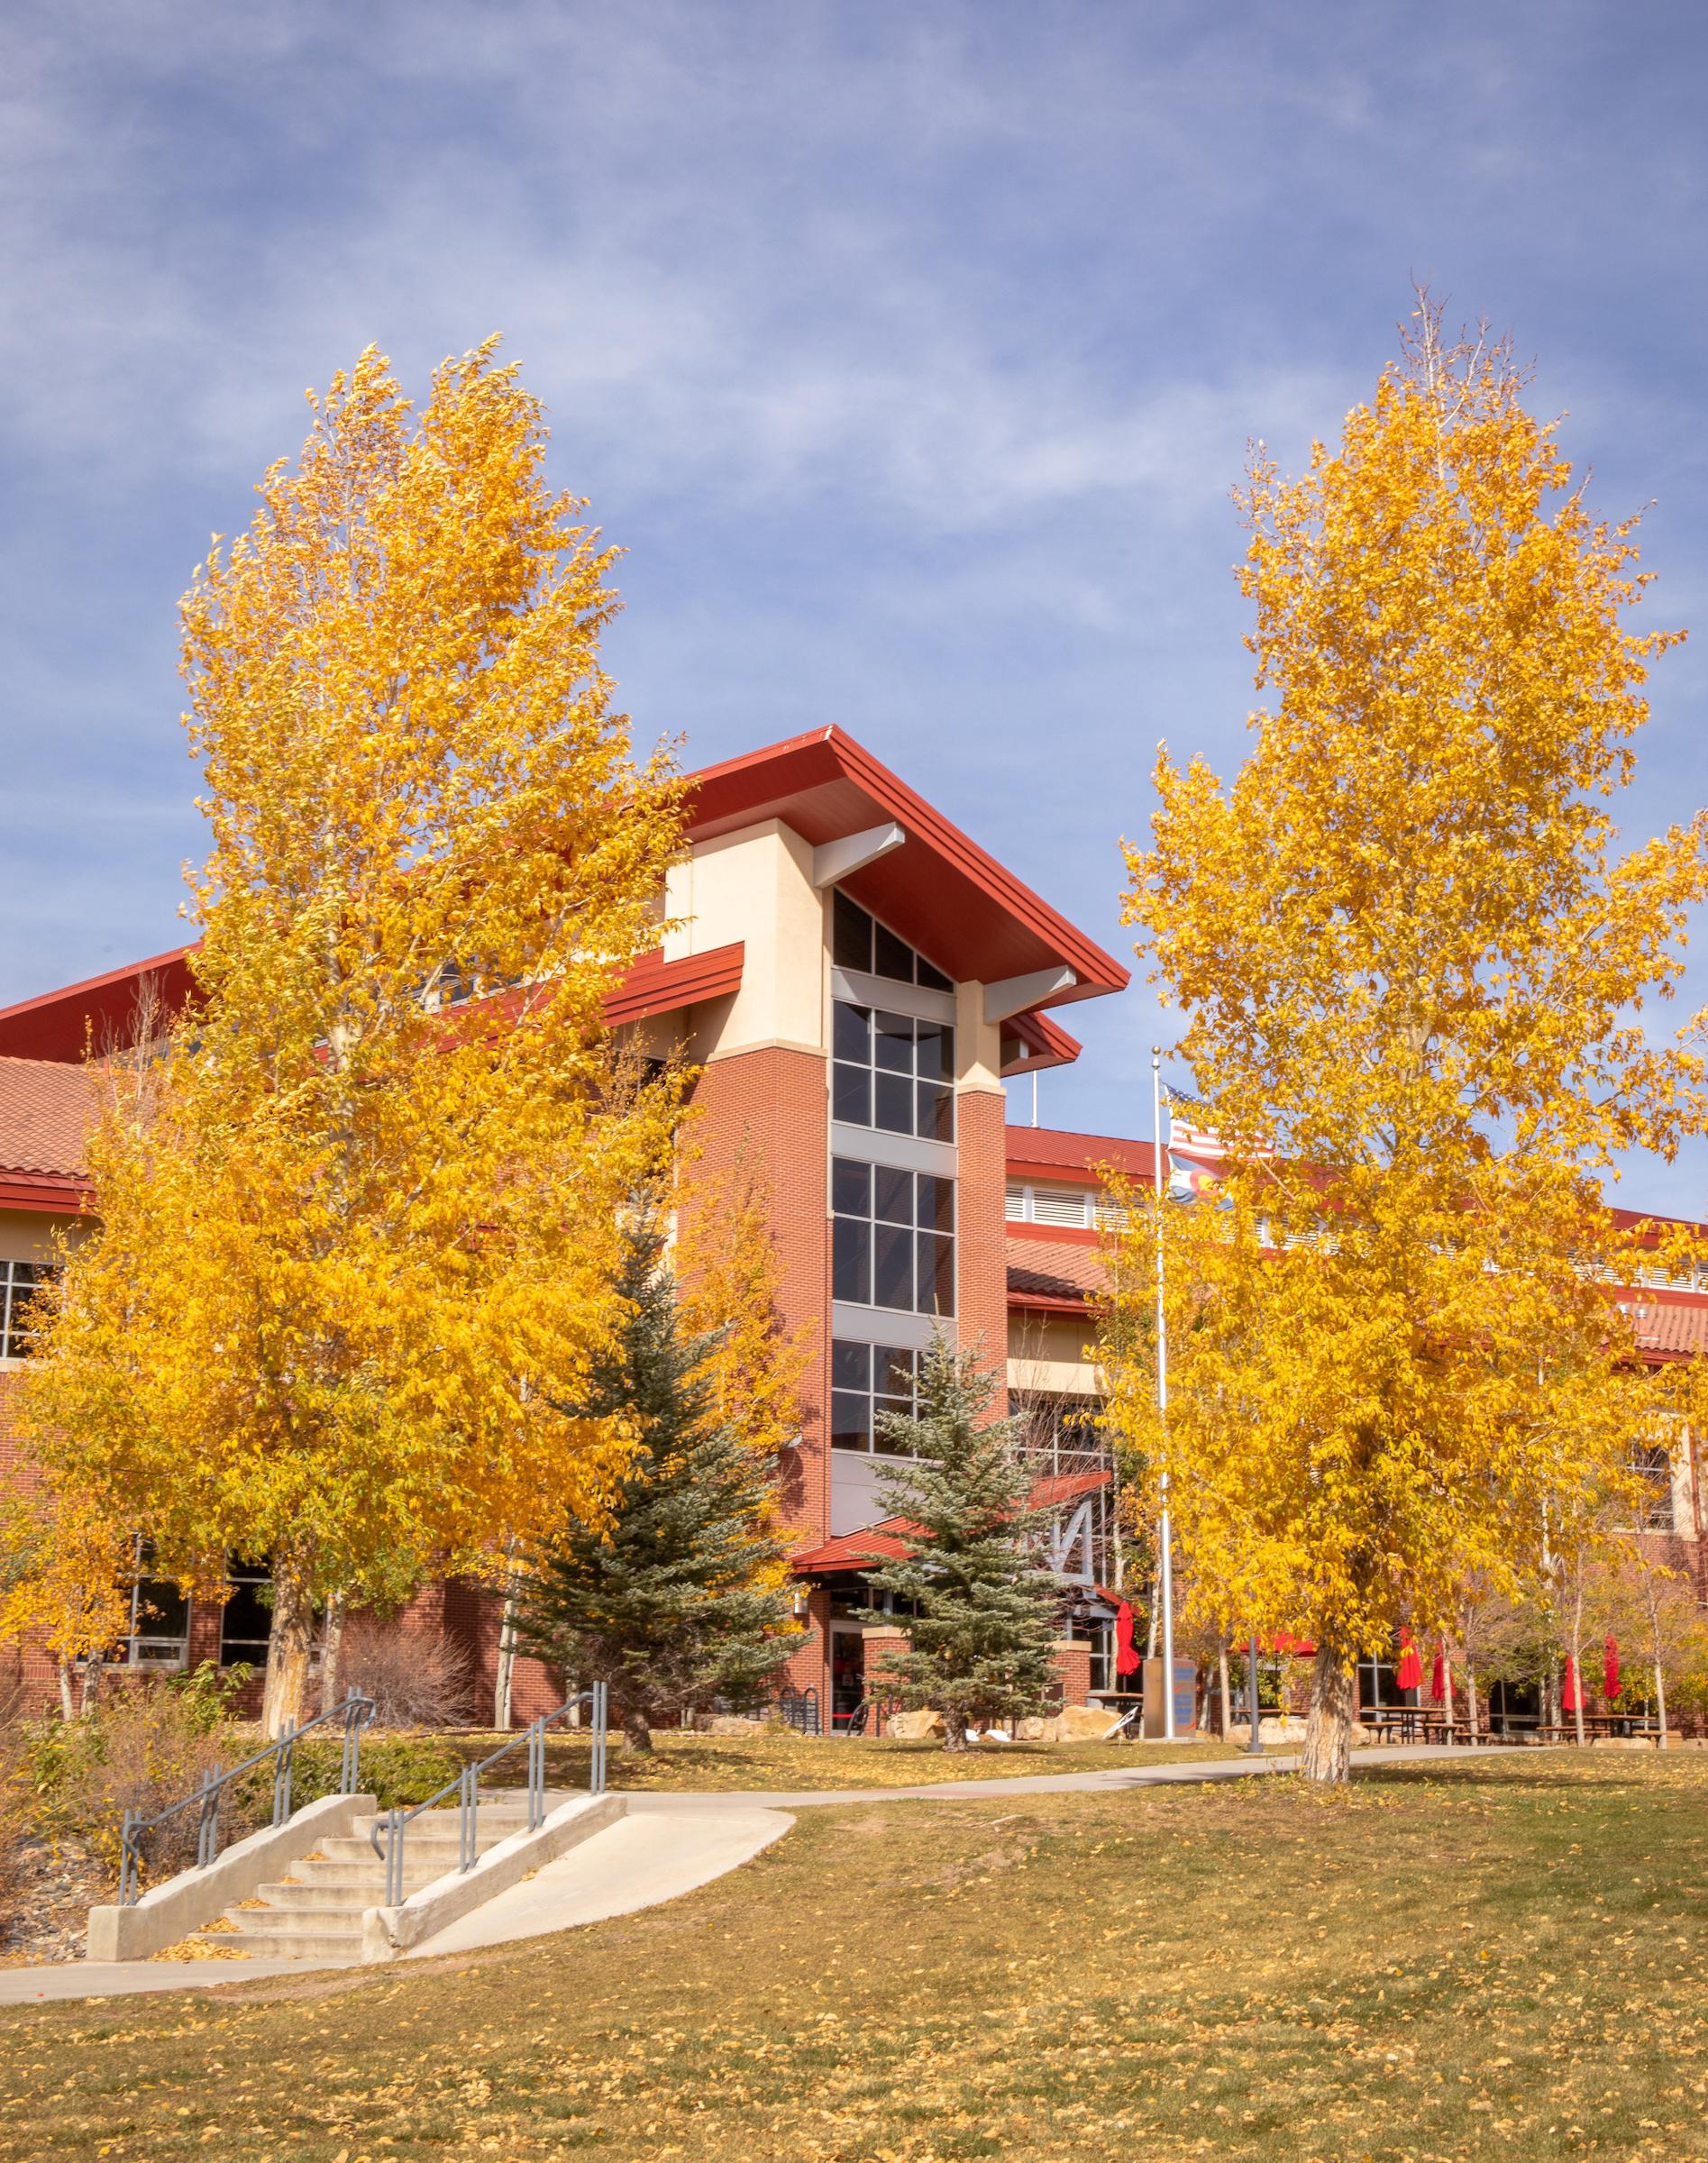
[1165, 1565]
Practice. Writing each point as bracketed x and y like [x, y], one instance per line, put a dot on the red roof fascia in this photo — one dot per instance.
[1046, 1043]
[969, 915]
[886, 1542]
[655, 986]
[1040, 1303]
[42, 1194]
[1061, 1487]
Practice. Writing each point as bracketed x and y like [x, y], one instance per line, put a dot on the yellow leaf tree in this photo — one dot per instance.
[731, 1277]
[368, 1190]
[65, 1577]
[1412, 960]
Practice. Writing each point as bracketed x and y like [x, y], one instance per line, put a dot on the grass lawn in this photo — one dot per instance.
[1504, 1959]
[782, 1759]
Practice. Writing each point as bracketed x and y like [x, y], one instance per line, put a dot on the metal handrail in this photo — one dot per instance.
[355, 1712]
[466, 1789]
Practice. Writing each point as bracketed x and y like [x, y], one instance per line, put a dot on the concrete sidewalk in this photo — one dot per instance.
[1115, 1778]
[666, 1846]
[643, 1861]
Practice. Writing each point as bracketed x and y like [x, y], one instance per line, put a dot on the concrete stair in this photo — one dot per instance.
[315, 1913]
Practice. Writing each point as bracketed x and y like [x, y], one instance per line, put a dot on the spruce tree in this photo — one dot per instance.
[983, 1629]
[681, 1598]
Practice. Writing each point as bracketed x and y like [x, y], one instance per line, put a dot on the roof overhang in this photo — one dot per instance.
[937, 887]
[934, 885]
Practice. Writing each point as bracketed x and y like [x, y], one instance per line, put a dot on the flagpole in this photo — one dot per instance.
[1166, 1567]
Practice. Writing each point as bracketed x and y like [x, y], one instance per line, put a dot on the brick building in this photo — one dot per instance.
[857, 982]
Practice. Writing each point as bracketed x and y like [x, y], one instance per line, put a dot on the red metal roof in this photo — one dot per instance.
[885, 1541]
[1057, 1154]
[1058, 1487]
[655, 986]
[945, 894]
[1046, 1275]
[59, 1025]
[939, 891]
[1042, 1043]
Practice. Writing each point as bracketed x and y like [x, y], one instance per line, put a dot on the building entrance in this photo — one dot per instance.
[847, 1676]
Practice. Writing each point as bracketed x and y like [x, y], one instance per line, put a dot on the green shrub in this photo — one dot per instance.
[399, 1768]
[141, 1749]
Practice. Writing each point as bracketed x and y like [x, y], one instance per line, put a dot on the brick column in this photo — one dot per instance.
[984, 1293]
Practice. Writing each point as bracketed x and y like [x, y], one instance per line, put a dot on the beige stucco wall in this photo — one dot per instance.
[756, 886]
[1049, 1355]
[26, 1235]
[978, 1042]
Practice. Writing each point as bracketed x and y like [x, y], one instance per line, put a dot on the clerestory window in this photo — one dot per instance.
[858, 941]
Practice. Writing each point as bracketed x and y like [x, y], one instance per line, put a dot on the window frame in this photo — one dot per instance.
[868, 1198]
[861, 1074]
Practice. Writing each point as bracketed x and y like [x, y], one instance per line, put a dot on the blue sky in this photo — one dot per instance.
[910, 351]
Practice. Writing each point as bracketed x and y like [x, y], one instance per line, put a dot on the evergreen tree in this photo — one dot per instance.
[983, 1629]
[681, 1598]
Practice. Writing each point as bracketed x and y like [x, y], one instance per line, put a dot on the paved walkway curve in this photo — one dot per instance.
[667, 1845]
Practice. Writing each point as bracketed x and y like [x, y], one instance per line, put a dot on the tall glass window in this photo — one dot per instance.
[894, 1072]
[867, 1380]
[893, 1242]
[860, 942]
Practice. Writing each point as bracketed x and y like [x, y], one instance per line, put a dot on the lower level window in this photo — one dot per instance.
[18, 1284]
[159, 1617]
[1378, 1686]
[246, 1626]
[865, 1382]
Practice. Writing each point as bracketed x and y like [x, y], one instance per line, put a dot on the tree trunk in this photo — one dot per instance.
[1660, 1706]
[1329, 1729]
[954, 1731]
[1577, 1664]
[1472, 1713]
[68, 1703]
[1446, 1686]
[1226, 1695]
[504, 1680]
[91, 1668]
[637, 1734]
[331, 1651]
[290, 1644]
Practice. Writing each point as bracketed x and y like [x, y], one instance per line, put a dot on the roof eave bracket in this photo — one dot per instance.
[834, 861]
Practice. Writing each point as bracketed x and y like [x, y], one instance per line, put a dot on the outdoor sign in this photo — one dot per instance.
[1185, 1699]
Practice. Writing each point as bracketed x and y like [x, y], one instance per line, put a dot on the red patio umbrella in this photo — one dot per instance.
[1410, 1669]
[1437, 1677]
[1127, 1653]
[1569, 1695]
[1610, 1669]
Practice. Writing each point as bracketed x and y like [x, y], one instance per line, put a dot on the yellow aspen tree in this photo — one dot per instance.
[1413, 964]
[730, 1273]
[65, 1578]
[371, 1189]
